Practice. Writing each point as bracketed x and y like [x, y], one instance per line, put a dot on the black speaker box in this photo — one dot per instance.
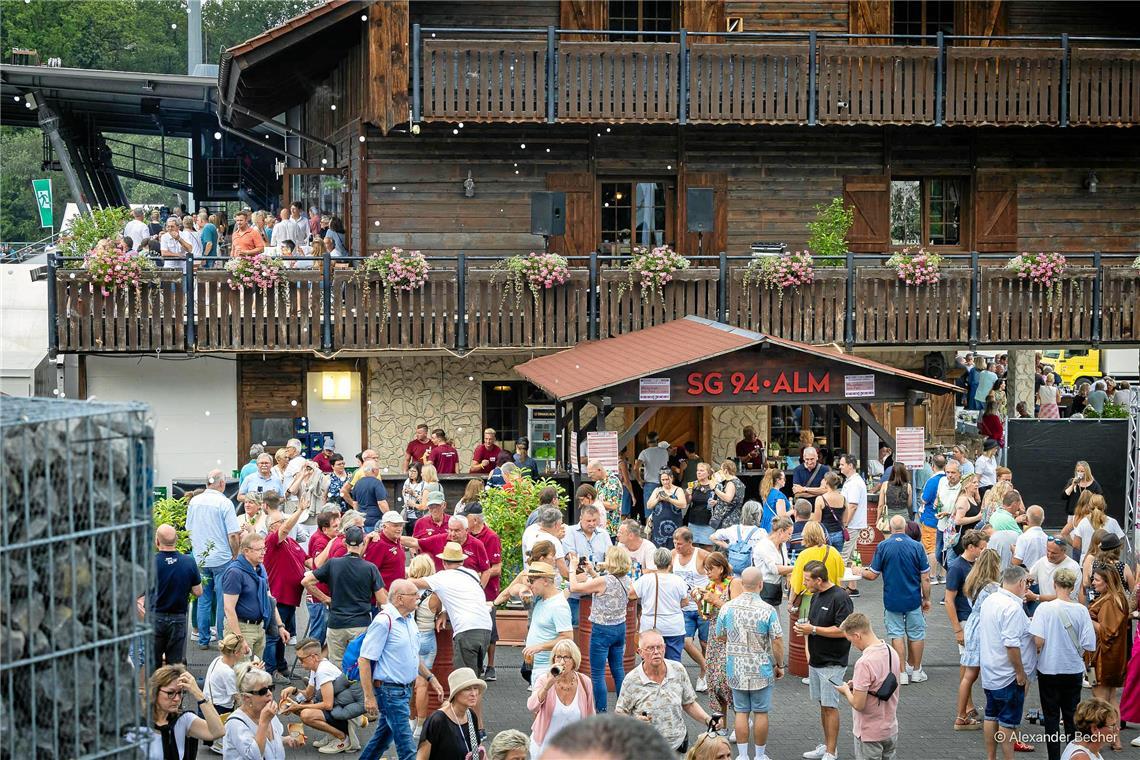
[699, 209]
[548, 213]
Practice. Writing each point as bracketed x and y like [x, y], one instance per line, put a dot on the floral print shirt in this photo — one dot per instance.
[610, 492]
[663, 701]
[750, 625]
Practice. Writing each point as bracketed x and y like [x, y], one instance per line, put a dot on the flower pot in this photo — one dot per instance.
[512, 625]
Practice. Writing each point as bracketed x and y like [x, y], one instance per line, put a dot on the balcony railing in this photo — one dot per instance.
[550, 75]
[465, 305]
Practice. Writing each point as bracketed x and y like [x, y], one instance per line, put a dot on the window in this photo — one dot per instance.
[925, 17]
[927, 211]
[504, 408]
[627, 17]
[822, 419]
[641, 211]
[274, 431]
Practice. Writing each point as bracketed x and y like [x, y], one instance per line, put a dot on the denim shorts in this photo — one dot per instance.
[694, 624]
[1005, 705]
[906, 625]
[757, 701]
[702, 534]
[427, 648]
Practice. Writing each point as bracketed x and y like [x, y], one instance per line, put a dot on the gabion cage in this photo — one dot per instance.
[75, 553]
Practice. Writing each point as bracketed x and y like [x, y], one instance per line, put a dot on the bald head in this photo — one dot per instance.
[752, 579]
[1035, 515]
[404, 595]
[216, 480]
[898, 524]
[166, 537]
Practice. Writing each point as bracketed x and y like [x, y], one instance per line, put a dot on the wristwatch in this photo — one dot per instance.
[813, 630]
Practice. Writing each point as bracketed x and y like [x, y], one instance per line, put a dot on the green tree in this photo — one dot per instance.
[22, 151]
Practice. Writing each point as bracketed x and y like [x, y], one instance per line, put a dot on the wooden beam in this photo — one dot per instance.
[865, 414]
[388, 51]
[641, 421]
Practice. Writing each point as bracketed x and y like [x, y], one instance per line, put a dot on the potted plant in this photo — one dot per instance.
[110, 266]
[536, 271]
[397, 271]
[86, 231]
[917, 267]
[780, 272]
[652, 269]
[828, 240]
[265, 272]
[1042, 268]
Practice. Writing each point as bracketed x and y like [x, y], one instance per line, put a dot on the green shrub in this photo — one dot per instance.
[506, 510]
[87, 230]
[172, 511]
[1111, 411]
[828, 241]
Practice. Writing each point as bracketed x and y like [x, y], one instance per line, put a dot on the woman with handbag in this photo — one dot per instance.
[1110, 615]
[727, 496]
[831, 510]
[722, 587]
[561, 696]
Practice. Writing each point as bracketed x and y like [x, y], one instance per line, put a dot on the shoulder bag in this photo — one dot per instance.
[1090, 672]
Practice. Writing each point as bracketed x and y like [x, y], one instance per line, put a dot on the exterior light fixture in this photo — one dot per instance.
[1091, 181]
[336, 386]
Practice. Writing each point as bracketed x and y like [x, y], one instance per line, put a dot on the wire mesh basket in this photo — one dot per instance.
[75, 554]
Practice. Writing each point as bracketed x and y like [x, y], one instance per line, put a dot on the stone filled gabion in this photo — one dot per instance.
[75, 553]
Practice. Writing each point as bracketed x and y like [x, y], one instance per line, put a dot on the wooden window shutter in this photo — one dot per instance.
[871, 198]
[388, 66]
[716, 241]
[986, 18]
[995, 213]
[703, 16]
[581, 236]
[584, 14]
[869, 17]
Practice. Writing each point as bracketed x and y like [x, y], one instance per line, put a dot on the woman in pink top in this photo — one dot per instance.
[559, 698]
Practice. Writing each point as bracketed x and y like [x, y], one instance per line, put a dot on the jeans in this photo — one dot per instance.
[393, 725]
[836, 540]
[211, 609]
[318, 621]
[607, 644]
[169, 638]
[1059, 697]
[274, 647]
[575, 606]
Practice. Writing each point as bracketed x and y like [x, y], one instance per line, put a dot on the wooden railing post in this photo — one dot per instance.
[1098, 283]
[417, 76]
[722, 289]
[1064, 116]
[592, 299]
[551, 75]
[939, 77]
[326, 301]
[849, 306]
[53, 307]
[683, 96]
[811, 78]
[188, 286]
[461, 297]
[975, 297]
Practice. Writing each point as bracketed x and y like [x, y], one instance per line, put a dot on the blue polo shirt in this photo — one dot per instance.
[369, 492]
[392, 642]
[248, 469]
[901, 561]
[929, 494]
[238, 580]
[251, 483]
[174, 575]
[802, 475]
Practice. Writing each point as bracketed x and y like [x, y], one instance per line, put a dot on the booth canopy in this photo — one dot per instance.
[695, 361]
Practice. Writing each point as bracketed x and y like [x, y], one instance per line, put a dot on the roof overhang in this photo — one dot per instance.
[696, 362]
[283, 66]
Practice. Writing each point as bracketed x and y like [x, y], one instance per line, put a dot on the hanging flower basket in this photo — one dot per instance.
[1042, 268]
[264, 271]
[536, 271]
[917, 267]
[1136, 263]
[110, 266]
[781, 272]
[652, 269]
[397, 270]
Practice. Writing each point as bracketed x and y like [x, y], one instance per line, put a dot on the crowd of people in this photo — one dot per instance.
[706, 571]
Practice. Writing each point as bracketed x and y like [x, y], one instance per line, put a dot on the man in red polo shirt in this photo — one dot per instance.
[456, 533]
[435, 521]
[383, 547]
[442, 455]
[417, 447]
[285, 566]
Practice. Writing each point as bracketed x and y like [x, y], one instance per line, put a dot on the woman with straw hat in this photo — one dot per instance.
[453, 731]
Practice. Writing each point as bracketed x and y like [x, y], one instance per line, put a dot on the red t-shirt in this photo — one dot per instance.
[416, 449]
[322, 461]
[494, 547]
[388, 558]
[317, 543]
[444, 458]
[472, 547]
[285, 566]
[490, 453]
[426, 527]
[745, 448]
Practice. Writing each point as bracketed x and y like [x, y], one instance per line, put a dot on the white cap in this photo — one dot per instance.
[392, 516]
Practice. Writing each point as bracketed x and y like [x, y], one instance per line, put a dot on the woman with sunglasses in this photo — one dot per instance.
[710, 746]
[253, 731]
[175, 733]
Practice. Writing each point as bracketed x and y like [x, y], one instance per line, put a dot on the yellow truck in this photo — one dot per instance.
[1076, 366]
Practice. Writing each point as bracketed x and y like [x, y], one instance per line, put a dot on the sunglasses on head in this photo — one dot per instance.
[261, 692]
[1058, 541]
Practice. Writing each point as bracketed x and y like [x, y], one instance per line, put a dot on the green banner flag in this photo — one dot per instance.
[42, 188]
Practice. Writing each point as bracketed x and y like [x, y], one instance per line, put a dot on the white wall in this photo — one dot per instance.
[341, 417]
[23, 327]
[188, 442]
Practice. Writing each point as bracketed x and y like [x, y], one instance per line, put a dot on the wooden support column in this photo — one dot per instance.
[641, 421]
[864, 448]
[868, 418]
[386, 94]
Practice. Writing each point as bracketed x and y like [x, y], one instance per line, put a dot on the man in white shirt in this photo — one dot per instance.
[190, 235]
[1030, 545]
[465, 604]
[1008, 659]
[855, 495]
[172, 246]
[136, 229]
[214, 535]
[1057, 557]
[640, 550]
[548, 527]
[296, 461]
[300, 224]
[283, 230]
[652, 461]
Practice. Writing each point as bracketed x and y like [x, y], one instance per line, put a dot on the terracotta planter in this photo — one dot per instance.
[797, 650]
[512, 625]
[868, 538]
[443, 665]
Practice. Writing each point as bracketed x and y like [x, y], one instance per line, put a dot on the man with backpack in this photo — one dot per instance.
[740, 541]
[387, 666]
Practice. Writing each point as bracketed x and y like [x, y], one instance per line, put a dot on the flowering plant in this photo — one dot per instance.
[263, 271]
[1041, 268]
[537, 271]
[397, 270]
[1136, 263]
[112, 266]
[652, 269]
[917, 267]
[786, 270]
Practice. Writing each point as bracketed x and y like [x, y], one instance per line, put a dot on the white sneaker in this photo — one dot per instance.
[829, 756]
[325, 739]
[1135, 742]
[216, 747]
[702, 684]
[335, 747]
[805, 681]
[816, 754]
[904, 679]
[918, 676]
[353, 741]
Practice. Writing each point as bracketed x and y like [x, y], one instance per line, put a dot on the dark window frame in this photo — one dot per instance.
[927, 183]
[648, 19]
[668, 204]
[933, 15]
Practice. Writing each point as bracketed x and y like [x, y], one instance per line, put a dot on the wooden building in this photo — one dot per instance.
[978, 129]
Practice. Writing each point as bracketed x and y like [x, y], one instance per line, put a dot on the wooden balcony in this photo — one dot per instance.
[466, 306]
[514, 76]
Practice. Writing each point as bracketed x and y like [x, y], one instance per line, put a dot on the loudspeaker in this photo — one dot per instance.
[934, 365]
[548, 213]
[699, 209]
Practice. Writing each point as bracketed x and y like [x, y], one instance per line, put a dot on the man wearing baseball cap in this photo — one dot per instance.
[353, 586]
[435, 521]
[327, 450]
[383, 547]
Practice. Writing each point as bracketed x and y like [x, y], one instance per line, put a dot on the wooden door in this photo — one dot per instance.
[995, 212]
[581, 236]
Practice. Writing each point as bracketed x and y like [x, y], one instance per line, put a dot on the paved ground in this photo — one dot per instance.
[926, 710]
